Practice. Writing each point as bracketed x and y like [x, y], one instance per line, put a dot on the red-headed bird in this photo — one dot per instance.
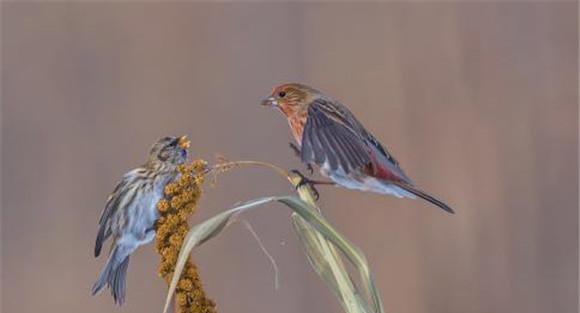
[329, 136]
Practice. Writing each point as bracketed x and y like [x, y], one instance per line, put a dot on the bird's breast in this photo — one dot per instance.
[297, 126]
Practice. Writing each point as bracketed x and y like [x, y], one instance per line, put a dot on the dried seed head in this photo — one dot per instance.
[180, 202]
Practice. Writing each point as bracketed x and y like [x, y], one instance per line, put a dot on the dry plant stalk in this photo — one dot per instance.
[179, 203]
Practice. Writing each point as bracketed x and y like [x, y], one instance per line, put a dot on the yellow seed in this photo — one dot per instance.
[176, 240]
[180, 202]
[181, 299]
[186, 284]
[162, 205]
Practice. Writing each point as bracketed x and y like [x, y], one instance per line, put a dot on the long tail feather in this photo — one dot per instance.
[117, 285]
[421, 194]
[113, 275]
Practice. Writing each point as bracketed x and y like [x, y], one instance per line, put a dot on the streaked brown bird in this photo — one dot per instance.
[131, 211]
[329, 136]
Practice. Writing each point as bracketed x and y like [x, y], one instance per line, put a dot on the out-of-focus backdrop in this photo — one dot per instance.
[478, 102]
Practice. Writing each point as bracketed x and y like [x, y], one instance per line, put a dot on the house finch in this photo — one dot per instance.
[131, 211]
[329, 136]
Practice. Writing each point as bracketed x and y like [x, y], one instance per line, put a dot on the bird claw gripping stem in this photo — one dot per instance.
[297, 153]
[306, 181]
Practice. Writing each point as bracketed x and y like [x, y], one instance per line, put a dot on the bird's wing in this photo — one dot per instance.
[372, 141]
[330, 139]
[115, 200]
[384, 160]
[333, 132]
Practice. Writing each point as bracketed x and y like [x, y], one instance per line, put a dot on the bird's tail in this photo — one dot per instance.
[114, 275]
[421, 194]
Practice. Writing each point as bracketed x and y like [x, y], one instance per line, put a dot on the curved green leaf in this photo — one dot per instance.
[319, 239]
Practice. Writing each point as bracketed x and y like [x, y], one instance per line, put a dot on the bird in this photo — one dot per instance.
[330, 137]
[130, 212]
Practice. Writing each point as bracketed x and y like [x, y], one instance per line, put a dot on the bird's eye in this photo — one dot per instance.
[282, 94]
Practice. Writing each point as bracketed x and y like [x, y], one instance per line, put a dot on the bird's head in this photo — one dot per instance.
[169, 151]
[292, 98]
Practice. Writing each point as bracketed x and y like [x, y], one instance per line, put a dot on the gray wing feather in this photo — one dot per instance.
[326, 139]
[342, 116]
[111, 207]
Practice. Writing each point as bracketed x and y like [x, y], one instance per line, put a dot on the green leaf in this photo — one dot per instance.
[328, 265]
[319, 240]
[200, 233]
[351, 252]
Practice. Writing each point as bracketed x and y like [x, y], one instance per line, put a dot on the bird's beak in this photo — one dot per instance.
[183, 142]
[270, 102]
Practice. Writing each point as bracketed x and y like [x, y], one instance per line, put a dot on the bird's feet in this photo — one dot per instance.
[310, 169]
[306, 181]
[297, 153]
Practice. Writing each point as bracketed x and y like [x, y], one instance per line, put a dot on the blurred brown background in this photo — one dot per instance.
[478, 102]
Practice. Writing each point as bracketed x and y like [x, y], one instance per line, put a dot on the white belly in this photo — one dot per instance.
[363, 182]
